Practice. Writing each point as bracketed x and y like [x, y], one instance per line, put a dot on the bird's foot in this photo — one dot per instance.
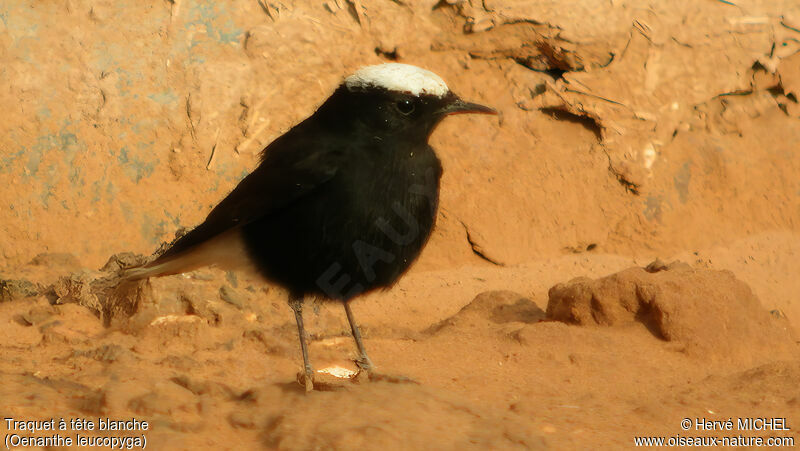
[306, 379]
[366, 371]
[365, 368]
[364, 364]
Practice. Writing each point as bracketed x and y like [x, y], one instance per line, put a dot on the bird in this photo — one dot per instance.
[340, 205]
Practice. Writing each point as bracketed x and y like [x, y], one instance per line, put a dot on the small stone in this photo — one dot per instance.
[12, 290]
[231, 297]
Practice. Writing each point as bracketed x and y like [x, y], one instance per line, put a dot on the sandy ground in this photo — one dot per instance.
[629, 131]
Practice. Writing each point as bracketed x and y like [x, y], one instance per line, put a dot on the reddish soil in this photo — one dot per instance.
[629, 131]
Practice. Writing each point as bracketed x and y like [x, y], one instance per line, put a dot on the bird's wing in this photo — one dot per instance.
[287, 173]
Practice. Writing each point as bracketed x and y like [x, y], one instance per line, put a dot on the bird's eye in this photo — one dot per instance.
[405, 106]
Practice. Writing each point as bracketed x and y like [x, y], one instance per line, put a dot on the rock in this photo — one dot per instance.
[712, 313]
[12, 290]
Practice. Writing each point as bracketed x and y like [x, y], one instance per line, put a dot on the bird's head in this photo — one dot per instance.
[400, 99]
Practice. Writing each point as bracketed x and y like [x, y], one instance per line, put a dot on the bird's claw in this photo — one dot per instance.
[306, 379]
[364, 364]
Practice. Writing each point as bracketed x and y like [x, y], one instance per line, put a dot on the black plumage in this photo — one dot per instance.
[341, 204]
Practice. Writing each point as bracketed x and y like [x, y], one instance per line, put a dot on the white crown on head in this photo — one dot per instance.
[398, 77]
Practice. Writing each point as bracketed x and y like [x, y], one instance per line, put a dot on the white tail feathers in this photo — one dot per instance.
[176, 265]
[226, 250]
[138, 272]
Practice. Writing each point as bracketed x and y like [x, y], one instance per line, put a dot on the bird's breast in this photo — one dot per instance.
[360, 230]
[394, 200]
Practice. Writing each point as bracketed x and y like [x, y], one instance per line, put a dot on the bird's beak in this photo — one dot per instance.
[459, 106]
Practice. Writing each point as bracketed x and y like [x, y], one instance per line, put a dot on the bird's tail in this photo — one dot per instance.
[158, 268]
[226, 250]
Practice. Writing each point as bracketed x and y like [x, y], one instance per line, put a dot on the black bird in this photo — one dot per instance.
[342, 203]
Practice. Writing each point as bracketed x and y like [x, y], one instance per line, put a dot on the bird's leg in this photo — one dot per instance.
[297, 305]
[363, 361]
